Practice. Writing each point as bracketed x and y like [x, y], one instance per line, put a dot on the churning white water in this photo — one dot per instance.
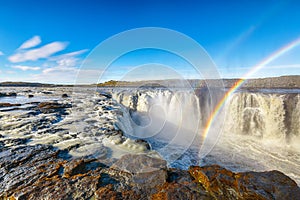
[259, 131]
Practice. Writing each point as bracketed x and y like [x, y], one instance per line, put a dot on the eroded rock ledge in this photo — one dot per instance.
[43, 172]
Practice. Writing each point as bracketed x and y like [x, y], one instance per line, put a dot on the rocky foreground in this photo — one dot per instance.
[43, 172]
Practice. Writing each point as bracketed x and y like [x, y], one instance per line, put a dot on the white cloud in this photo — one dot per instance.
[1, 53]
[10, 72]
[25, 68]
[67, 55]
[65, 61]
[57, 69]
[32, 42]
[66, 71]
[67, 75]
[64, 64]
[35, 54]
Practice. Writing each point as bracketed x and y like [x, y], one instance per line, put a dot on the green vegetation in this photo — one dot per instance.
[110, 83]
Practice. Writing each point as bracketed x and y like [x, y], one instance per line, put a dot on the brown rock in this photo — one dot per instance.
[224, 184]
[64, 95]
[176, 191]
[74, 167]
[107, 192]
[50, 107]
[147, 172]
[138, 163]
[8, 105]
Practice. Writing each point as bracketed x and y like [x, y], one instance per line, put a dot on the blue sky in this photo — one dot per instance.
[46, 41]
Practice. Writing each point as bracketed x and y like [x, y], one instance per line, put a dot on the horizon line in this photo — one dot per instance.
[233, 78]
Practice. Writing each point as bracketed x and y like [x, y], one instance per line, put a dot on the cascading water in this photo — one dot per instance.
[267, 116]
[169, 120]
[257, 114]
[261, 131]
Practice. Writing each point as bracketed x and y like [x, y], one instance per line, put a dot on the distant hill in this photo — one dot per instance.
[272, 82]
[25, 84]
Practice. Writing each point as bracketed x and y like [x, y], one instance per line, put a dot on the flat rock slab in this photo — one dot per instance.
[139, 163]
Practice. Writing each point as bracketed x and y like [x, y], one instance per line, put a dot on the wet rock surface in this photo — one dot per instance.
[64, 95]
[8, 94]
[48, 107]
[221, 183]
[43, 172]
[8, 105]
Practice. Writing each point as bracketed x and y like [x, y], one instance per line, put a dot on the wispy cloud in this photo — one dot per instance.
[66, 65]
[68, 55]
[65, 69]
[65, 61]
[32, 42]
[10, 72]
[1, 53]
[67, 75]
[61, 68]
[38, 53]
[25, 68]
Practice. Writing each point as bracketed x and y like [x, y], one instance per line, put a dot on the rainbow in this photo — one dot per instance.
[238, 84]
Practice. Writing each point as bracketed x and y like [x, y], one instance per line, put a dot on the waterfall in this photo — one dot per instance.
[256, 131]
[169, 120]
[164, 114]
[268, 116]
[167, 113]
